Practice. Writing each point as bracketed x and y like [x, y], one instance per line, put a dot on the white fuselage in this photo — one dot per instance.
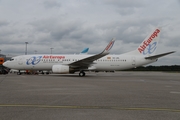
[106, 63]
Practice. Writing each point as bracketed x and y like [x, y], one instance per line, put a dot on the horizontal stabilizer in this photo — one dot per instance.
[159, 55]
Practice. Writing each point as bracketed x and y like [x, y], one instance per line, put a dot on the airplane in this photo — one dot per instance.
[58, 63]
[69, 63]
[84, 51]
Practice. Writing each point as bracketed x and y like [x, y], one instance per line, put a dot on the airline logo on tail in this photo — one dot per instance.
[146, 43]
[150, 49]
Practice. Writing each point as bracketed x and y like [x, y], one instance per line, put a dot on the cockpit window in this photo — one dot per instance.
[11, 59]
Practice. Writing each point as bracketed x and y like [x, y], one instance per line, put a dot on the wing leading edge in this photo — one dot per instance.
[86, 62]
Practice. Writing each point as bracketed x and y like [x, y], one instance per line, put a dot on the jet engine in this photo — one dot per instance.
[60, 69]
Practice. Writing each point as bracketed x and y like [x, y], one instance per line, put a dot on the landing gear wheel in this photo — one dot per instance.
[81, 74]
[18, 73]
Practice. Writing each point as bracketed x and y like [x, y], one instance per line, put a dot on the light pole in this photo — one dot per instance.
[51, 50]
[26, 48]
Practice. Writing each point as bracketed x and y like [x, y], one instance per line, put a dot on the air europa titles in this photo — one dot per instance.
[109, 46]
[147, 42]
[53, 57]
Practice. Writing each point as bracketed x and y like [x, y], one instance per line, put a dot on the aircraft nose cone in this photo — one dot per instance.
[5, 64]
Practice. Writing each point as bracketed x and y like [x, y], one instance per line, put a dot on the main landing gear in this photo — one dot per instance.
[82, 74]
[19, 72]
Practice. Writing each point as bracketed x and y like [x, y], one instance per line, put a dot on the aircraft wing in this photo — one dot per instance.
[86, 62]
[159, 55]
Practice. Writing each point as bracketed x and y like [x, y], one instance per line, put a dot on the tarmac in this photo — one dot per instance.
[97, 96]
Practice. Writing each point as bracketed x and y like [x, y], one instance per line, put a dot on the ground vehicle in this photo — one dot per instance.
[3, 70]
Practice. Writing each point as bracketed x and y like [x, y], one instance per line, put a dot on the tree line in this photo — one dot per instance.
[156, 68]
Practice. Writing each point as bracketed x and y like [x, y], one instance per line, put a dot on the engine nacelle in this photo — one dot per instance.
[61, 69]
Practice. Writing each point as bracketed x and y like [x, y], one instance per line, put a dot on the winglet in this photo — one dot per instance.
[109, 46]
[86, 62]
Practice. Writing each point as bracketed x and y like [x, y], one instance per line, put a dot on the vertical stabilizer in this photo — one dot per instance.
[149, 46]
[85, 51]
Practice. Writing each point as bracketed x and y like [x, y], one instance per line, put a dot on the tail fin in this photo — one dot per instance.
[149, 45]
[85, 51]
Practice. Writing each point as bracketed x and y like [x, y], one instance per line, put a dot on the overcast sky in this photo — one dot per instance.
[69, 26]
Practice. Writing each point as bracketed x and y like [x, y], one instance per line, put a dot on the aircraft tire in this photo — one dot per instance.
[18, 73]
[82, 74]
